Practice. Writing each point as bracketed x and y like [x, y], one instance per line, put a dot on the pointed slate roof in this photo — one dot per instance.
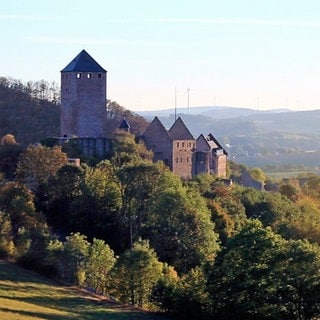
[83, 62]
[124, 124]
[156, 126]
[213, 142]
[179, 131]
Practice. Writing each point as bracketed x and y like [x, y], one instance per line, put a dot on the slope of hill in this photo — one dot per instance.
[30, 119]
[25, 295]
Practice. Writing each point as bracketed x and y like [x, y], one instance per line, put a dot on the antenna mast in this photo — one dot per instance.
[188, 89]
[175, 103]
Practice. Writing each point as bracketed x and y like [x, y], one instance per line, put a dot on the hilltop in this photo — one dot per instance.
[31, 112]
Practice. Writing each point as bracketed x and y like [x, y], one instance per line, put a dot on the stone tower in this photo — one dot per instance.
[83, 98]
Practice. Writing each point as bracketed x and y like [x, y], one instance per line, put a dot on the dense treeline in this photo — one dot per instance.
[131, 229]
[31, 111]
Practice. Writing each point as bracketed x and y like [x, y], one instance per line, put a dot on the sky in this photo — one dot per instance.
[260, 54]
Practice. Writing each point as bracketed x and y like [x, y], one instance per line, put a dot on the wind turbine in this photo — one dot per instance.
[188, 99]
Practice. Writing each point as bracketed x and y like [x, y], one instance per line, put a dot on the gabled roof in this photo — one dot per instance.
[83, 62]
[213, 142]
[124, 124]
[179, 131]
[157, 125]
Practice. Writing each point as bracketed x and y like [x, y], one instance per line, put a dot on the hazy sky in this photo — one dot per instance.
[252, 53]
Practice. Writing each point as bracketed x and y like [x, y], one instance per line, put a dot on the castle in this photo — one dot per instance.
[83, 119]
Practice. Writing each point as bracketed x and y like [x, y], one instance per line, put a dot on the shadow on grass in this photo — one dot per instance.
[12, 272]
[23, 286]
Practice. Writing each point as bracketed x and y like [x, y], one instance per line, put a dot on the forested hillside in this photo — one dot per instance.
[129, 228]
[31, 111]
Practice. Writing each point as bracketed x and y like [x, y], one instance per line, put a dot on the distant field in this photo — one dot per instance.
[24, 295]
[309, 161]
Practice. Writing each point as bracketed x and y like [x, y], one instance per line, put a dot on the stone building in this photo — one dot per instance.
[83, 98]
[184, 155]
[210, 156]
[83, 121]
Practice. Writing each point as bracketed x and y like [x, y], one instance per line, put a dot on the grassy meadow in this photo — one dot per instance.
[24, 295]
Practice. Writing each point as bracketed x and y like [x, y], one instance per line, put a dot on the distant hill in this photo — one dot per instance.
[31, 112]
[249, 134]
[217, 112]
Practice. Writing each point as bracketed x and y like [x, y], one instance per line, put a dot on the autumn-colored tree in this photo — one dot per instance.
[38, 163]
[125, 149]
[9, 155]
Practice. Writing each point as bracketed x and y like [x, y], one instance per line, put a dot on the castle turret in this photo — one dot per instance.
[83, 98]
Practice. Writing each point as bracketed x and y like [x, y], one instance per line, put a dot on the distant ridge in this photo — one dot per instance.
[217, 112]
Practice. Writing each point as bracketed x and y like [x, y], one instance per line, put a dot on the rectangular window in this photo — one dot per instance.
[78, 75]
[99, 75]
[181, 160]
[177, 144]
[182, 144]
[177, 160]
[89, 75]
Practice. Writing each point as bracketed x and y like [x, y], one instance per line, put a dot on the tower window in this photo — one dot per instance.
[89, 75]
[99, 75]
[78, 75]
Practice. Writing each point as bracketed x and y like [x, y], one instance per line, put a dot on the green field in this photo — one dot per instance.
[26, 295]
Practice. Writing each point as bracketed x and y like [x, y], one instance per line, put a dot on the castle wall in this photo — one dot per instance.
[92, 147]
[201, 162]
[220, 165]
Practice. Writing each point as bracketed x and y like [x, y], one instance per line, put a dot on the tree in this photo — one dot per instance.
[9, 155]
[191, 298]
[240, 281]
[164, 292]
[38, 163]
[75, 257]
[125, 149]
[116, 113]
[179, 227]
[6, 238]
[307, 224]
[94, 211]
[101, 260]
[138, 183]
[257, 174]
[299, 274]
[62, 190]
[136, 273]
[272, 209]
